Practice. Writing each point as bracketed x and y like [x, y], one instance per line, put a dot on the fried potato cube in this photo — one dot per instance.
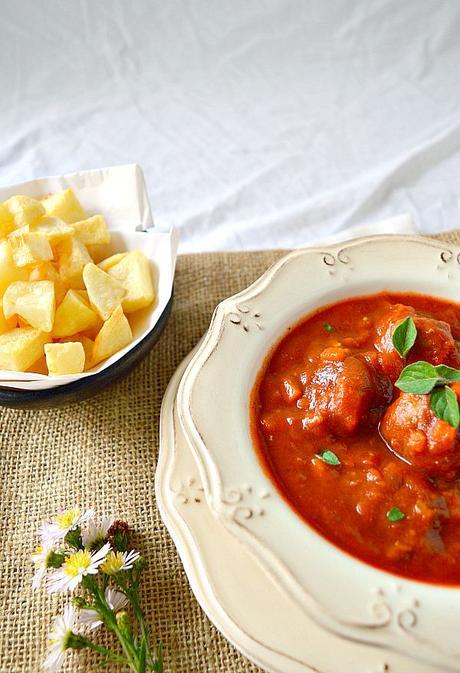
[72, 258]
[115, 334]
[9, 272]
[92, 231]
[88, 346]
[73, 315]
[64, 205]
[105, 293]
[65, 358]
[24, 209]
[6, 324]
[134, 273]
[47, 271]
[53, 228]
[30, 247]
[20, 348]
[108, 262]
[34, 301]
[6, 220]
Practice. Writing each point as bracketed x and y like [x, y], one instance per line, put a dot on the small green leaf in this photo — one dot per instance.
[55, 560]
[73, 538]
[419, 378]
[448, 373]
[444, 403]
[328, 457]
[404, 336]
[329, 327]
[395, 514]
[142, 653]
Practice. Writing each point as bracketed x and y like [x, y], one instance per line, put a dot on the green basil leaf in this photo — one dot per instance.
[395, 514]
[448, 373]
[444, 403]
[419, 378]
[404, 336]
[328, 327]
[328, 457]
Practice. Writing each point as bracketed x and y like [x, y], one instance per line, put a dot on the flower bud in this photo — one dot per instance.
[118, 535]
[123, 622]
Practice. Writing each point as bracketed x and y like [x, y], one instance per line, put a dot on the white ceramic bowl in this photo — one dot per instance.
[343, 594]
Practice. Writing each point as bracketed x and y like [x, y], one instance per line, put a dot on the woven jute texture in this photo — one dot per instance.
[102, 453]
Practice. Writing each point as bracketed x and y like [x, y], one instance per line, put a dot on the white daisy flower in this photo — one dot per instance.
[40, 559]
[116, 600]
[66, 520]
[58, 639]
[117, 561]
[93, 533]
[75, 567]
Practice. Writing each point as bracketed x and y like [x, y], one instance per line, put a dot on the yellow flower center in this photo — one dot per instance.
[61, 639]
[113, 563]
[67, 518]
[37, 556]
[77, 563]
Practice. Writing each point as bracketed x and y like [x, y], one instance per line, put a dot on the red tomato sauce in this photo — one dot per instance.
[329, 386]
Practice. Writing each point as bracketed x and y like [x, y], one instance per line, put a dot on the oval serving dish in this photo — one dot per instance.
[341, 593]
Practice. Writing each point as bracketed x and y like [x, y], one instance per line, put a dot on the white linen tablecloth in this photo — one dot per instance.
[258, 124]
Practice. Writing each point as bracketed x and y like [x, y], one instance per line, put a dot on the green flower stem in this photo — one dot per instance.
[110, 621]
[125, 640]
[133, 597]
[131, 593]
[108, 654]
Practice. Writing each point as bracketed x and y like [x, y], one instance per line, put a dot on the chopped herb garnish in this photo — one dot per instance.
[404, 336]
[395, 514]
[329, 327]
[328, 457]
[444, 404]
[421, 377]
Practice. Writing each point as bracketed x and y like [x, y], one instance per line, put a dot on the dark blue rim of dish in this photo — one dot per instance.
[87, 387]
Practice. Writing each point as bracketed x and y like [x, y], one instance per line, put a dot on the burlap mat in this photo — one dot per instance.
[102, 453]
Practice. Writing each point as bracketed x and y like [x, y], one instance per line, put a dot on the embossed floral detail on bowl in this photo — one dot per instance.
[343, 594]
